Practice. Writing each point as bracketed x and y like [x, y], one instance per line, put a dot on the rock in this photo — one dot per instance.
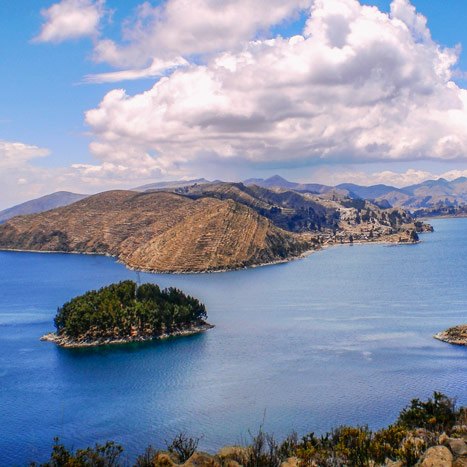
[443, 439]
[231, 463]
[237, 454]
[456, 335]
[202, 459]
[390, 463]
[458, 447]
[437, 456]
[291, 462]
[163, 459]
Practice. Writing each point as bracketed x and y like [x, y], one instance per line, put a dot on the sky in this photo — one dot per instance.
[105, 94]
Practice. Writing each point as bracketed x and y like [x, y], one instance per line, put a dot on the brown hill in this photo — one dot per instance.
[157, 231]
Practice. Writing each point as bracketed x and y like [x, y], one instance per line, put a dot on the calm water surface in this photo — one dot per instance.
[343, 336]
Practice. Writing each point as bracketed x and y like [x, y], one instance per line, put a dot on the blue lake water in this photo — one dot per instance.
[341, 337]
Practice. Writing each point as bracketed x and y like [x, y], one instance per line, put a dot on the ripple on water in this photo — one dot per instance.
[343, 336]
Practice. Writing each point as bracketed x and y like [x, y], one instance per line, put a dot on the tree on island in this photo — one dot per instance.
[124, 310]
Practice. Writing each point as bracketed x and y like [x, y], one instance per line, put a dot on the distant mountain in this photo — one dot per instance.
[277, 181]
[366, 192]
[438, 194]
[429, 194]
[171, 185]
[271, 182]
[44, 203]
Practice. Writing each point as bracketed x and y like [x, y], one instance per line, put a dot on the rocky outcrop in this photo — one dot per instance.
[71, 343]
[458, 448]
[437, 456]
[456, 335]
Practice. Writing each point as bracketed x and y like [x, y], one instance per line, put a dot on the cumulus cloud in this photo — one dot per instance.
[21, 179]
[71, 19]
[15, 154]
[358, 85]
[187, 27]
[345, 174]
[16, 168]
[389, 177]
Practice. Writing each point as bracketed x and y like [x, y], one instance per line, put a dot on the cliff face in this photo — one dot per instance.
[157, 231]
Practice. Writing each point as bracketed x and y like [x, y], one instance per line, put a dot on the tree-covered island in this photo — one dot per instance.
[125, 312]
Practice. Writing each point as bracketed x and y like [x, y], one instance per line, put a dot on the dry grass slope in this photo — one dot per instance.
[157, 231]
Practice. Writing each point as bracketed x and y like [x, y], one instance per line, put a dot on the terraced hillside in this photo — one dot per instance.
[336, 219]
[287, 209]
[157, 231]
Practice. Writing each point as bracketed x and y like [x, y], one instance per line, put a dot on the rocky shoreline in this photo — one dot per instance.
[69, 343]
[390, 239]
[456, 335]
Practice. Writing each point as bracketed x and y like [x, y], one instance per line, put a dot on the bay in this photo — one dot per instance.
[343, 336]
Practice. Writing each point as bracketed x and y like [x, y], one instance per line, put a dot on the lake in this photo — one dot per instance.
[343, 336]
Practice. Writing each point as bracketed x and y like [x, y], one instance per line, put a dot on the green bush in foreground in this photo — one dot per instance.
[418, 427]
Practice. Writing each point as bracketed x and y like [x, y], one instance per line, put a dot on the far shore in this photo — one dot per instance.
[69, 343]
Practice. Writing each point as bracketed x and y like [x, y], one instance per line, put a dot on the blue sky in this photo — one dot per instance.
[44, 98]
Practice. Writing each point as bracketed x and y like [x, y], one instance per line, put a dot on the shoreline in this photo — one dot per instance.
[382, 241]
[68, 343]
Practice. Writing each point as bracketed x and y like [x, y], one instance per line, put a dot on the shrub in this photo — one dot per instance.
[436, 414]
[386, 443]
[148, 458]
[106, 455]
[264, 451]
[354, 445]
[411, 450]
[183, 446]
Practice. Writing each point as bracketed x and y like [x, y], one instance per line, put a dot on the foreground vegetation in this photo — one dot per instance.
[430, 433]
[125, 310]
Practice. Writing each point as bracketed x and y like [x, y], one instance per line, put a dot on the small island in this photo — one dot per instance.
[124, 312]
[456, 335]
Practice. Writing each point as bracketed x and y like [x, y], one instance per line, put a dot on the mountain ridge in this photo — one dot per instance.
[432, 195]
[205, 228]
[41, 204]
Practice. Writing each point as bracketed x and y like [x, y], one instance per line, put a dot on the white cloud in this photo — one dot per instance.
[71, 19]
[187, 27]
[15, 154]
[338, 175]
[157, 68]
[16, 171]
[358, 86]
[22, 180]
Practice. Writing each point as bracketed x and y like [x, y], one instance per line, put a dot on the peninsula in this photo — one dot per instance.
[124, 312]
[209, 227]
[456, 335]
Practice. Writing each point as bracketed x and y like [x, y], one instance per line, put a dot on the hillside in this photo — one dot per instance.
[157, 231]
[170, 185]
[339, 219]
[430, 194]
[44, 203]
